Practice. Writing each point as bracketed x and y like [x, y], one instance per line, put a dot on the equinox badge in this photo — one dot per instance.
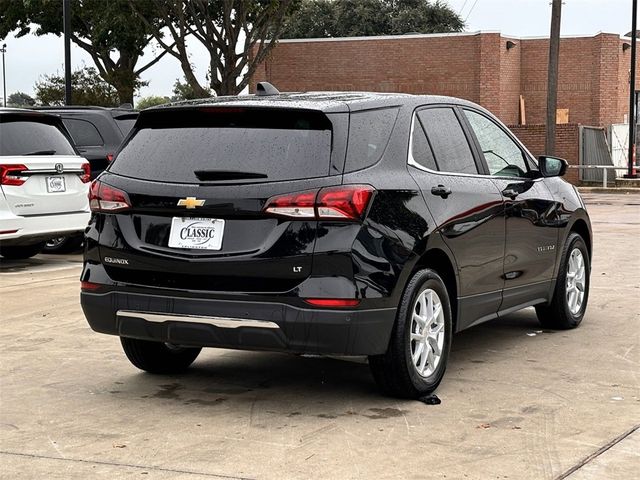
[190, 202]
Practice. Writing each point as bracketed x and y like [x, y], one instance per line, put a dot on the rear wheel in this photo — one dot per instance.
[64, 244]
[158, 357]
[19, 252]
[571, 293]
[418, 351]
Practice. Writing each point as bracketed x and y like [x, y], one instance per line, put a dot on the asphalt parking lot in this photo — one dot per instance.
[517, 402]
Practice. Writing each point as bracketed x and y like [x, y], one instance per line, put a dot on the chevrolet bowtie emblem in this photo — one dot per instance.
[190, 202]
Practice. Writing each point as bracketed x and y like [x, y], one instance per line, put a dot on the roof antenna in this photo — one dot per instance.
[264, 89]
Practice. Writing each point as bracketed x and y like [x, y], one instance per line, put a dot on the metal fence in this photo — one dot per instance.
[603, 171]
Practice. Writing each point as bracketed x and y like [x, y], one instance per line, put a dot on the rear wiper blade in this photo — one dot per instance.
[41, 152]
[217, 175]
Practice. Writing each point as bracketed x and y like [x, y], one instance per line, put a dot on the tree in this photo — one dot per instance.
[20, 99]
[184, 91]
[88, 89]
[237, 34]
[151, 101]
[106, 30]
[352, 18]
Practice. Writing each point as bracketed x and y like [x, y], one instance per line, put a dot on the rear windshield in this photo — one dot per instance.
[223, 143]
[21, 136]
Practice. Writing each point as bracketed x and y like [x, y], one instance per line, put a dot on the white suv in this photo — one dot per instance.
[43, 183]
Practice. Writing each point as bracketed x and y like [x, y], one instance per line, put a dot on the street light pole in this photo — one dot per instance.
[4, 76]
[66, 14]
[552, 80]
[632, 91]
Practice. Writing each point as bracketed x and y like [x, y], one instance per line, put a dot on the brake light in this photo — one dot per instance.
[90, 286]
[105, 198]
[10, 175]
[109, 157]
[85, 177]
[332, 302]
[345, 202]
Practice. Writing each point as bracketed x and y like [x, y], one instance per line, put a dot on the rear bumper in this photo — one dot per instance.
[17, 230]
[246, 325]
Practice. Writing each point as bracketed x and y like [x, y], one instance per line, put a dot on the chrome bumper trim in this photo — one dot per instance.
[222, 322]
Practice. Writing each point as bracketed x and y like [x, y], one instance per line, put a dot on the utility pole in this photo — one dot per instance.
[552, 83]
[4, 76]
[66, 14]
[632, 91]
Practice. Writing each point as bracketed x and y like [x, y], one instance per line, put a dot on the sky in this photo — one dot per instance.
[29, 57]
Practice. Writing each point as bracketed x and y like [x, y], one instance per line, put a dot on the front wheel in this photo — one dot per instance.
[158, 357]
[418, 351]
[571, 293]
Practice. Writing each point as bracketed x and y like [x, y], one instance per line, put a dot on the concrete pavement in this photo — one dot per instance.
[517, 402]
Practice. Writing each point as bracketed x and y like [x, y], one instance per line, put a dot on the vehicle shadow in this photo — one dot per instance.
[223, 377]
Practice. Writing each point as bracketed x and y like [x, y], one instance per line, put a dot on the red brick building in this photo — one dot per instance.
[486, 68]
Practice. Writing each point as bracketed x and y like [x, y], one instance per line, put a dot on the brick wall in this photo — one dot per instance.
[593, 82]
[567, 143]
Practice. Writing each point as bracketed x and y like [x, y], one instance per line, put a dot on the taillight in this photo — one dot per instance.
[109, 157]
[105, 198]
[90, 286]
[345, 202]
[86, 173]
[332, 302]
[10, 175]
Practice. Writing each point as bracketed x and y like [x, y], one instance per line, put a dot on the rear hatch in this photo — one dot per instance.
[190, 188]
[40, 172]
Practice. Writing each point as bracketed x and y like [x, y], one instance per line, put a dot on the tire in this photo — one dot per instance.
[567, 307]
[64, 244]
[20, 252]
[158, 357]
[395, 371]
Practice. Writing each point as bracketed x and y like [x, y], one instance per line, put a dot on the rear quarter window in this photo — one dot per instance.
[23, 136]
[369, 133]
[84, 133]
[273, 144]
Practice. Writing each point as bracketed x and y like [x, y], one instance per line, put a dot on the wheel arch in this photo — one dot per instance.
[438, 260]
[581, 228]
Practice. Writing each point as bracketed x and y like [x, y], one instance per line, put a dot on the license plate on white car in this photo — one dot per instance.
[55, 184]
[196, 233]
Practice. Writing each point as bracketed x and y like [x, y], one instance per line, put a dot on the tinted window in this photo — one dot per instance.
[369, 133]
[503, 156]
[20, 137]
[448, 141]
[125, 124]
[420, 148]
[172, 145]
[84, 133]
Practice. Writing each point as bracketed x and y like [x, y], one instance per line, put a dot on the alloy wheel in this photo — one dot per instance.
[427, 333]
[576, 281]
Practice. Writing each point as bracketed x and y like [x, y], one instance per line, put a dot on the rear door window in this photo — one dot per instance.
[421, 152]
[22, 136]
[222, 143]
[84, 133]
[448, 141]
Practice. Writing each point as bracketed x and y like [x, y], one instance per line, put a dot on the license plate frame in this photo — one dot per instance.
[56, 184]
[195, 233]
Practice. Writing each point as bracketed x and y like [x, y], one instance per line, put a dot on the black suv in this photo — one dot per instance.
[96, 131]
[328, 223]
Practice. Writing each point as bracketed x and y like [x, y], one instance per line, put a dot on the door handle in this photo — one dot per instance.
[510, 193]
[441, 191]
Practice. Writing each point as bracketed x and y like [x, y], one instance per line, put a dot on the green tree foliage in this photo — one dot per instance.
[20, 99]
[151, 101]
[237, 34]
[184, 91]
[105, 29]
[354, 18]
[88, 89]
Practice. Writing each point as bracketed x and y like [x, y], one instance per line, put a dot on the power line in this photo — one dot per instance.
[463, 5]
[471, 10]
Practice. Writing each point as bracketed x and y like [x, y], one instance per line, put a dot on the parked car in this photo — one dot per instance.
[97, 133]
[43, 180]
[328, 223]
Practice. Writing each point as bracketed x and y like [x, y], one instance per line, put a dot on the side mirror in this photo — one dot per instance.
[552, 166]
